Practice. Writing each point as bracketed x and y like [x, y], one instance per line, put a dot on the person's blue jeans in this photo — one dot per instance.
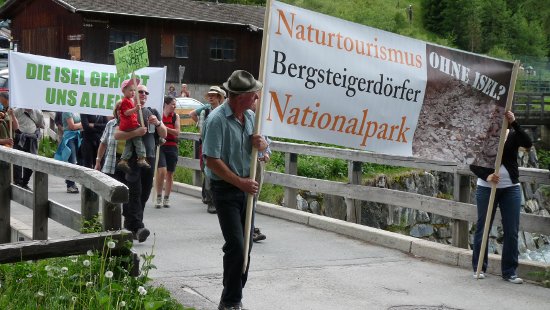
[72, 144]
[230, 205]
[508, 201]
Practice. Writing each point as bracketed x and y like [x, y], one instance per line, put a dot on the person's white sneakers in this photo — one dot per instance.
[481, 275]
[514, 279]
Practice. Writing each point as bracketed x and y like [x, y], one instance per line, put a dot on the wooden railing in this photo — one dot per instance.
[460, 209]
[532, 108]
[94, 185]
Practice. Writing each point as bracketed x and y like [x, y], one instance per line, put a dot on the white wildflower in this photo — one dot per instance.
[64, 269]
[90, 253]
[122, 304]
[144, 292]
[86, 263]
[111, 245]
[73, 298]
[108, 274]
[39, 294]
[89, 284]
[48, 268]
[141, 289]
[29, 275]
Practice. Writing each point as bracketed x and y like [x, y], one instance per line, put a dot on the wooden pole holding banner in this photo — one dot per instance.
[257, 126]
[497, 170]
[137, 101]
[155, 176]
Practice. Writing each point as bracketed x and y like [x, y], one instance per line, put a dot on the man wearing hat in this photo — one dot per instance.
[215, 96]
[227, 148]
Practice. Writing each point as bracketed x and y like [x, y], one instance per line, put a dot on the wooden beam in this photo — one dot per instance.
[31, 250]
[443, 207]
[98, 182]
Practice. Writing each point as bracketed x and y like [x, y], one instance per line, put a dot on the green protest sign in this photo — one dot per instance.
[131, 57]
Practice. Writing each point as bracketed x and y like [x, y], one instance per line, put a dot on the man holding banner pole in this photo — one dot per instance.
[227, 148]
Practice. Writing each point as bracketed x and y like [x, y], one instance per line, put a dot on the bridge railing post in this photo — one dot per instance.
[461, 193]
[41, 207]
[353, 207]
[291, 167]
[112, 219]
[5, 202]
[89, 203]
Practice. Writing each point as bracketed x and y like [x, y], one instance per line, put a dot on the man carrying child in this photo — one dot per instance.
[128, 121]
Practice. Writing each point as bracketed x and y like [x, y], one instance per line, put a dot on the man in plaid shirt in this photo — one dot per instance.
[109, 146]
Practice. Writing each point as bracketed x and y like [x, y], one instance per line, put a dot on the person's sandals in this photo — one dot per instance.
[514, 279]
[143, 163]
[123, 166]
[72, 189]
[481, 275]
[158, 203]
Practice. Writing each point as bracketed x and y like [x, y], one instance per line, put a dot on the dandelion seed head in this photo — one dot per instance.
[39, 294]
[122, 304]
[111, 245]
[90, 253]
[64, 269]
[86, 263]
[140, 288]
[144, 292]
[29, 275]
[73, 298]
[108, 274]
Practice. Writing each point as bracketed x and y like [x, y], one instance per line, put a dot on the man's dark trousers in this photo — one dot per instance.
[140, 183]
[230, 205]
[22, 175]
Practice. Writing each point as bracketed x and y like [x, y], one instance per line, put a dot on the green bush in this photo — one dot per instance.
[96, 280]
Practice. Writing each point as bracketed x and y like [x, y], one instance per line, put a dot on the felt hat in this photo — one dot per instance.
[241, 82]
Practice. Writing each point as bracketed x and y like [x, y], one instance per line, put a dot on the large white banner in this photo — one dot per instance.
[52, 84]
[333, 81]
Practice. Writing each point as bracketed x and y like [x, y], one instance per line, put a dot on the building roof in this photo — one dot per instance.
[189, 10]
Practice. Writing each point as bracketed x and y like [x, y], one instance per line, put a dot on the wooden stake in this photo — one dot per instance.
[257, 126]
[497, 170]
[137, 101]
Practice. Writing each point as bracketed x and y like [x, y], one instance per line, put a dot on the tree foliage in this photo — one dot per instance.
[511, 28]
[515, 27]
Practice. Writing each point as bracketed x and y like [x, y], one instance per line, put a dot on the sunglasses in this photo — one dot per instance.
[143, 92]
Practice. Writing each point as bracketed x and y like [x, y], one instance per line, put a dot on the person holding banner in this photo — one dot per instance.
[507, 198]
[168, 153]
[5, 117]
[140, 179]
[128, 121]
[68, 148]
[31, 122]
[227, 149]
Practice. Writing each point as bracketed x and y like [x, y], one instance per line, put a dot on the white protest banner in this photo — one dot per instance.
[332, 81]
[52, 84]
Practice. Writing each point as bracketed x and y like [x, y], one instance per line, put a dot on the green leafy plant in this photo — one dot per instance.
[47, 147]
[96, 280]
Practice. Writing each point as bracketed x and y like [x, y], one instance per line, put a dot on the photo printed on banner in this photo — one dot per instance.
[460, 120]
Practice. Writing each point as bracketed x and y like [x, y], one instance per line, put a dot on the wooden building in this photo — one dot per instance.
[209, 39]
